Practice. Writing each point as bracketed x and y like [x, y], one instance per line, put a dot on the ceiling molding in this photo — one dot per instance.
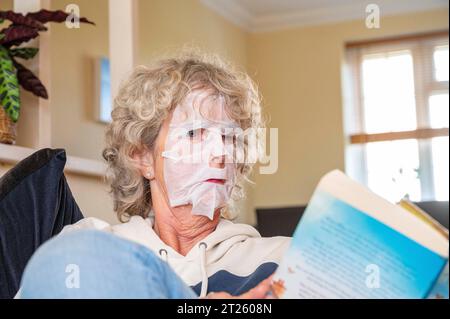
[240, 16]
[231, 11]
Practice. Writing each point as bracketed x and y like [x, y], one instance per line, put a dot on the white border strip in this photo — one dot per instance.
[13, 154]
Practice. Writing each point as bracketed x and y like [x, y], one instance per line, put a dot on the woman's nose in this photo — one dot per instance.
[217, 161]
[217, 151]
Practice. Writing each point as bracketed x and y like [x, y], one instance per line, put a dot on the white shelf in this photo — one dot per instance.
[13, 154]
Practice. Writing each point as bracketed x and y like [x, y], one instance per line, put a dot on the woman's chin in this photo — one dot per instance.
[187, 210]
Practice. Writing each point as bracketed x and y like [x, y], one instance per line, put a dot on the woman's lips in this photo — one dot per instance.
[215, 180]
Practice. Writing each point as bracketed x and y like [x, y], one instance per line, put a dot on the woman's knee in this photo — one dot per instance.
[87, 263]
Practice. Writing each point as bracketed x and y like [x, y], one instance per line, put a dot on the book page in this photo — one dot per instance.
[338, 251]
[358, 196]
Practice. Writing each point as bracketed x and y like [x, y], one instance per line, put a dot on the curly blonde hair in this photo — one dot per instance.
[145, 100]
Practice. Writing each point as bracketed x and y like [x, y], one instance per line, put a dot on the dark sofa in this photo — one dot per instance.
[283, 220]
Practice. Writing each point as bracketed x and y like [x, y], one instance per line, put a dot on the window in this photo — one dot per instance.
[397, 116]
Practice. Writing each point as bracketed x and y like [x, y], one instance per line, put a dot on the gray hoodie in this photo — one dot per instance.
[234, 258]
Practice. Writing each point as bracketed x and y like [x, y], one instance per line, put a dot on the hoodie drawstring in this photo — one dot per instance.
[163, 254]
[202, 246]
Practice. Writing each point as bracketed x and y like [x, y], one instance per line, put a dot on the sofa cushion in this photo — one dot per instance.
[35, 204]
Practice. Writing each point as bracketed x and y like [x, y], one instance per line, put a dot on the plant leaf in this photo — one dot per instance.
[24, 53]
[45, 16]
[9, 86]
[29, 81]
[20, 19]
[17, 34]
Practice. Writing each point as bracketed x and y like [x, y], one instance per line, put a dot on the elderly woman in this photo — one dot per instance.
[177, 157]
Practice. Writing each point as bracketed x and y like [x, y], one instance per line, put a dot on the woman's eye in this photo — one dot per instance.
[228, 139]
[194, 134]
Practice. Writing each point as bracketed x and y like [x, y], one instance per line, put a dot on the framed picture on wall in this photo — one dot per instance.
[103, 101]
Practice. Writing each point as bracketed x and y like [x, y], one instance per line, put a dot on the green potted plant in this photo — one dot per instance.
[22, 28]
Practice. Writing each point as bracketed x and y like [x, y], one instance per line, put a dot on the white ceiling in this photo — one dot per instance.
[267, 15]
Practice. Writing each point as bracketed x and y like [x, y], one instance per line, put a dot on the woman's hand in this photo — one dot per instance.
[258, 292]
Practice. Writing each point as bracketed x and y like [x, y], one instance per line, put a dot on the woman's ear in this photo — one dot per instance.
[150, 173]
[145, 163]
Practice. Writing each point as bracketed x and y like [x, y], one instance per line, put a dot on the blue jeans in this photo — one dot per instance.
[95, 264]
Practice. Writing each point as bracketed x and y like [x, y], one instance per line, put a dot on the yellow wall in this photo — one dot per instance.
[72, 87]
[73, 51]
[299, 72]
[72, 103]
[166, 25]
[6, 5]
[91, 195]
[71, 99]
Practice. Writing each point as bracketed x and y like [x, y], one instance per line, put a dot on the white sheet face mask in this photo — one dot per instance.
[200, 132]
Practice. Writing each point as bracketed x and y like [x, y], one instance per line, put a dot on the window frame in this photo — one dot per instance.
[422, 49]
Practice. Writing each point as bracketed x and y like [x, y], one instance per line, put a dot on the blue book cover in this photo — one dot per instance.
[339, 251]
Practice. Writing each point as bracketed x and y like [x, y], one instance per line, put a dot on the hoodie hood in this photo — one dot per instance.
[232, 253]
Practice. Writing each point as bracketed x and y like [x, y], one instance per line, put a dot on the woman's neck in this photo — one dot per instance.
[181, 230]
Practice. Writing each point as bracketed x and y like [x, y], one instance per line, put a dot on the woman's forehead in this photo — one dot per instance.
[201, 105]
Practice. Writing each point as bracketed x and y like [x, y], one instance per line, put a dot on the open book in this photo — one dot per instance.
[351, 243]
